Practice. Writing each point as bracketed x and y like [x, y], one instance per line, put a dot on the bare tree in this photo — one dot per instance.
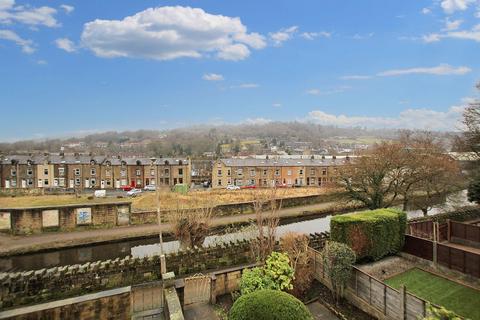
[191, 225]
[374, 178]
[266, 207]
[471, 120]
[296, 246]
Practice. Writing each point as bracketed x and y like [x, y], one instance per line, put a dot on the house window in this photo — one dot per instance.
[139, 182]
[219, 172]
[109, 182]
[93, 171]
[252, 172]
[252, 182]
[240, 171]
[13, 182]
[77, 171]
[13, 172]
[264, 182]
[219, 182]
[61, 182]
[30, 182]
[324, 172]
[264, 172]
[45, 172]
[289, 172]
[61, 171]
[93, 182]
[180, 180]
[45, 182]
[312, 172]
[300, 171]
[108, 173]
[29, 172]
[239, 182]
[228, 172]
[77, 181]
[123, 173]
[137, 172]
[166, 172]
[152, 172]
[124, 182]
[277, 172]
[180, 171]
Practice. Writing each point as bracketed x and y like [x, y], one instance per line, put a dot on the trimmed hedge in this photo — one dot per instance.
[269, 305]
[371, 234]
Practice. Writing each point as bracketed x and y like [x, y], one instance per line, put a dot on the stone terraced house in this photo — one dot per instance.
[86, 171]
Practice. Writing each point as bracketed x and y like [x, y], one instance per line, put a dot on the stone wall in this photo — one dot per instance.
[30, 220]
[147, 217]
[29, 287]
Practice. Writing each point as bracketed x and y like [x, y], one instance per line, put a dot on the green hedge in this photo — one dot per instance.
[269, 305]
[460, 214]
[371, 234]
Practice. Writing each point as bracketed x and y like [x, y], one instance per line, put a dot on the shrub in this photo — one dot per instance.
[337, 261]
[434, 313]
[371, 234]
[269, 305]
[277, 274]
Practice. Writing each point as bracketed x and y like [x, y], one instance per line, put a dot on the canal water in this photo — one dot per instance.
[149, 245]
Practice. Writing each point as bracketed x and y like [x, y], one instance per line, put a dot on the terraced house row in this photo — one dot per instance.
[77, 171]
[276, 172]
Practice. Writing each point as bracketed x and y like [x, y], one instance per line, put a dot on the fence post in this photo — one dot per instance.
[403, 291]
[384, 299]
[449, 230]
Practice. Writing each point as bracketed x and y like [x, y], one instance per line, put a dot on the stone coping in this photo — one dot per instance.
[59, 303]
[73, 205]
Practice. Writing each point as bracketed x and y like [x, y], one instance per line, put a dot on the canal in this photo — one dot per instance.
[149, 245]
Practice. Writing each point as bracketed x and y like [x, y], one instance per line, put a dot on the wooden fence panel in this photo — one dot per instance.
[363, 286]
[457, 259]
[465, 231]
[377, 294]
[419, 247]
[415, 307]
[472, 264]
[393, 299]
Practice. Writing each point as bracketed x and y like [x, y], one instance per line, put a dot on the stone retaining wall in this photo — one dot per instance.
[148, 217]
[29, 287]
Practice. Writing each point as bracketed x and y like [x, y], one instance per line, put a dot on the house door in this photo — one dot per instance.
[24, 183]
[7, 184]
[132, 183]
[147, 181]
[102, 184]
[87, 183]
[71, 183]
[117, 184]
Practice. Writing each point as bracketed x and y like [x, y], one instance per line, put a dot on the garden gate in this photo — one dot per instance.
[147, 300]
[197, 289]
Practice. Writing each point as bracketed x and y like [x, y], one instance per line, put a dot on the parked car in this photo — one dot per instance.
[250, 186]
[134, 192]
[233, 187]
[282, 185]
[150, 187]
[100, 193]
[127, 188]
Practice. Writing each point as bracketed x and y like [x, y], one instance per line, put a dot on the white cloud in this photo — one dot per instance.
[432, 37]
[356, 77]
[442, 69]
[276, 105]
[358, 36]
[426, 11]
[423, 119]
[257, 121]
[42, 62]
[318, 92]
[283, 35]
[67, 8]
[450, 6]
[452, 25]
[473, 34]
[26, 14]
[26, 45]
[246, 86]
[166, 33]
[313, 35]
[66, 44]
[212, 77]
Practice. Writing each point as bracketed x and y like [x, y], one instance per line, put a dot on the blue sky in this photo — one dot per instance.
[72, 67]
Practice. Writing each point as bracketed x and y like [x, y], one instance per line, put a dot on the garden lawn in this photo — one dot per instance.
[453, 296]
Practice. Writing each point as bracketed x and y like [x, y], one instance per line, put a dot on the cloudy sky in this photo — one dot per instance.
[69, 67]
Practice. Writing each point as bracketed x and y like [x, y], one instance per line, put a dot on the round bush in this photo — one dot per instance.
[269, 305]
